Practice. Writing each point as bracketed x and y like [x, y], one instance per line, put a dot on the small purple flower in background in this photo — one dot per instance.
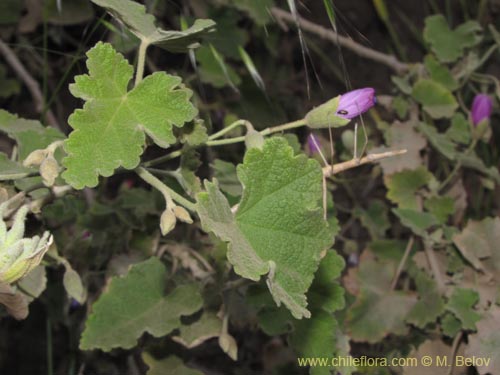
[481, 108]
[356, 102]
[313, 144]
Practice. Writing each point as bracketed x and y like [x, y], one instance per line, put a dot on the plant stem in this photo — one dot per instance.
[457, 166]
[401, 266]
[227, 129]
[141, 60]
[167, 192]
[275, 129]
[213, 142]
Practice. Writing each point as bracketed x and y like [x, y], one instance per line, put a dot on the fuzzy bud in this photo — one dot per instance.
[167, 221]
[182, 214]
[49, 170]
[253, 139]
[35, 158]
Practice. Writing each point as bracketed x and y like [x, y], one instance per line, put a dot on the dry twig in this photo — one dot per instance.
[370, 158]
[29, 81]
[391, 61]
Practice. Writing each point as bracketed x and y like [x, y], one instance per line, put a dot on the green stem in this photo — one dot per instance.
[167, 192]
[162, 159]
[227, 129]
[275, 129]
[457, 166]
[141, 61]
[213, 142]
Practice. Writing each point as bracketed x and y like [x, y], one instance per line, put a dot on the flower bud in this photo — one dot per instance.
[356, 102]
[49, 170]
[482, 106]
[35, 158]
[167, 221]
[324, 116]
[182, 214]
[313, 144]
[253, 139]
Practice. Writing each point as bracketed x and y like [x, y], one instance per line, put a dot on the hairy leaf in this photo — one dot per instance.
[278, 228]
[448, 45]
[142, 24]
[29, 135]
[10, 170]
[109, 130]
[461, 304]
[377, 311]
[134, 304]
[430, 304]
[402, 186]
[436, 99]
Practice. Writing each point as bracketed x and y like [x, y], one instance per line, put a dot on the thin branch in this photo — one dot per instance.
[370, 158]
[391, 61]
[167, 192]
[433, 262]
[454, 348]
[29, 81]
[402, 263]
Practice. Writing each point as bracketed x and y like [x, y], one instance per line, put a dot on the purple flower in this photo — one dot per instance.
[481, 108]
[356, 102]
[313, 144]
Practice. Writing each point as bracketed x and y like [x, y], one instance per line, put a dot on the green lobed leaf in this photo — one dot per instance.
[448, 45]
[278, 228]
[109, 130]
[417, 221]
[142, 24]
[440, 73]
[208, 326]
[375, 218]
[315, 337]
[134, 304]
[430, 304]
[440, 141]
[461, 304]
[440, 207]
[460, 130]
[29, 135]
[403, 186]
[378, 310]
[10, 170]
[437, 100]
[450, 325]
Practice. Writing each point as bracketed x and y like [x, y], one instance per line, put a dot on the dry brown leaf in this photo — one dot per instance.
[402, 136]
[14, 302]
[435, 349]
[485, 343]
